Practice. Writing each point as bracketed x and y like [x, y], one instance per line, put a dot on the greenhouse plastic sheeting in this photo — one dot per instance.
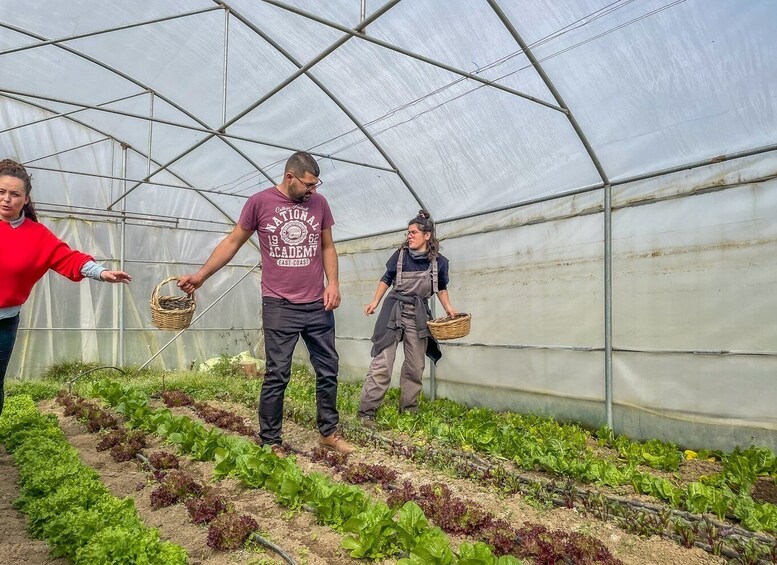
[577, 155]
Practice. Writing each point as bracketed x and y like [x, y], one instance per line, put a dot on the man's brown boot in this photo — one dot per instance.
[335, 442]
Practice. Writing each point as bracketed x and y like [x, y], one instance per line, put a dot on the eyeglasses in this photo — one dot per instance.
[308, 185]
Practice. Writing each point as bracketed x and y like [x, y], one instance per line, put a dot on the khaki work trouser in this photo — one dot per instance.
[379, 374]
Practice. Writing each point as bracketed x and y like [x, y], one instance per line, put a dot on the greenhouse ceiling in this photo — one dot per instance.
[177, 111]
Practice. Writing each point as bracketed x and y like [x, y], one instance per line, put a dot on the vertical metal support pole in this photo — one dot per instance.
[122, 248]
[363, 10]
[150, 131]
[433, 367]
[116, 295]
[608, 303]
[226, 66]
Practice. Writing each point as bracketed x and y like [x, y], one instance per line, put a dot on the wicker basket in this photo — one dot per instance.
[171, 312]
[449, 328]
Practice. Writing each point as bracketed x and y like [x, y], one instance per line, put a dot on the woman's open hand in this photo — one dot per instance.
[115, 277]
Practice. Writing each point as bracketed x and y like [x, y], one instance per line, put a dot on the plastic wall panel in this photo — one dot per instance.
[62, 186]
[523, 274]
[697, 272]
[540, 284]
[185, 250]
[696, 400]
[572, 375]
[479, 136]
[353, 145]
[202, 210]
[255, 67]
[167, 142]
[213, 164]
[699, 388]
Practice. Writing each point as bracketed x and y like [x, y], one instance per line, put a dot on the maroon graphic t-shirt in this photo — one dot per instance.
[290, 240]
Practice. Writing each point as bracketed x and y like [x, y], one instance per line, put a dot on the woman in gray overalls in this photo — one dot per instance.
[417, 271]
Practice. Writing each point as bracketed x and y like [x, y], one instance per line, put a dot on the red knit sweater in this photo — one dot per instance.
[26, 253]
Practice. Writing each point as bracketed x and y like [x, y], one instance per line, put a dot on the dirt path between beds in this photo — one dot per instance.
[16, 546]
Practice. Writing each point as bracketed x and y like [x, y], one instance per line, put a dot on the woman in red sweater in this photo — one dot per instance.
[27, 251]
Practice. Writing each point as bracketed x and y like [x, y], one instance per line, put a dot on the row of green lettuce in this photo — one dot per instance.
[373, 530]
[66, 503]
[534, 443]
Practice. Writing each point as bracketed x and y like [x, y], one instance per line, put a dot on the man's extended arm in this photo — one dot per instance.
[222, 254]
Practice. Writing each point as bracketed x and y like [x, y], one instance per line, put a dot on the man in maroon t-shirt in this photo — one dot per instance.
[294, 225]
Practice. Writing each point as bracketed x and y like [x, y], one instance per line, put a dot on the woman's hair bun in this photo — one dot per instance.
[423, 214]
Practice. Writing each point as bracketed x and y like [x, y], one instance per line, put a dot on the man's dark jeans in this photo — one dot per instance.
[283, 323]
[8, 327]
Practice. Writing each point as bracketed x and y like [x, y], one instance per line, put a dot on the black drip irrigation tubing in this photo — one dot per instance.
[560, 498]
[270, 545]
[74, 379]
[254, 536]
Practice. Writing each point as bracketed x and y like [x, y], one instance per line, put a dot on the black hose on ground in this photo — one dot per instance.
[74, 379]
[270, 545]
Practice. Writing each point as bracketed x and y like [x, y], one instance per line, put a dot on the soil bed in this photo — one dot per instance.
[297, 532]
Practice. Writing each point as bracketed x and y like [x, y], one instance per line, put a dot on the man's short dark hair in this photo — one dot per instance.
[301, 163]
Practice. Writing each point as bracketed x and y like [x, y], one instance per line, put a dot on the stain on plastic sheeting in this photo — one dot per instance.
[500, 223]
[535, 266]
[682, 191]
[722, 246]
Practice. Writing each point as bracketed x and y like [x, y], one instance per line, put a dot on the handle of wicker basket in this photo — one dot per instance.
[456, 316]
[446, 319]
[155, 292]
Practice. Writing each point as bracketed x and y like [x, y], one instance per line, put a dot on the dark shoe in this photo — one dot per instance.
[368, 422]
[335, 442]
